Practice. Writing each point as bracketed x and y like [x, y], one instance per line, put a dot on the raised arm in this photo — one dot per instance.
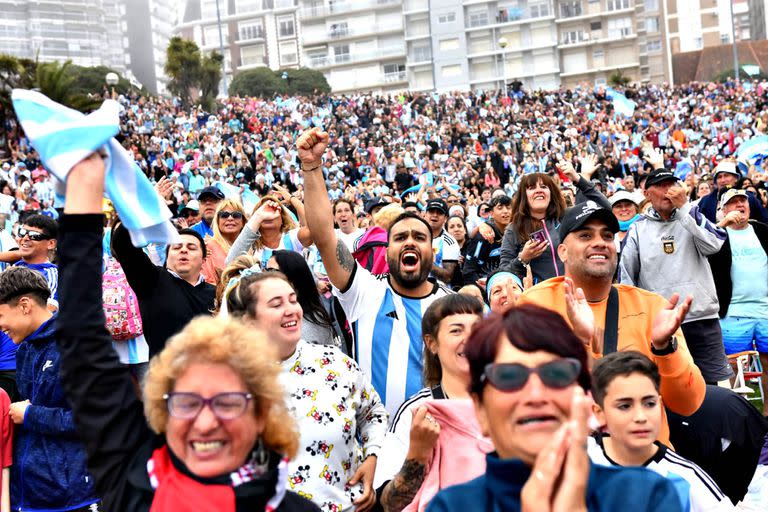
[337, 259]
[108, 415]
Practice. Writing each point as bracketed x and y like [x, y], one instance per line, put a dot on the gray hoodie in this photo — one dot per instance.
[671, 256]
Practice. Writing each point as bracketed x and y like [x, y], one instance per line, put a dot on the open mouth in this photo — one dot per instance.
[537, 197]
[536, 420]
[598, 257]
[409, 261]
[207, 447]
[289, 325]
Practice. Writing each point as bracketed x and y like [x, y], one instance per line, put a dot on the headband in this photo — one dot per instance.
[232, 284]
[500, 275]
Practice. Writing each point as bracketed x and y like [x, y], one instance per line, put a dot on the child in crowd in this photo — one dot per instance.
[625, 387]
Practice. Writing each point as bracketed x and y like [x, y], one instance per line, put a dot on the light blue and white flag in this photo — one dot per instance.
[63, 137]
[753, 148]
[683, 168]
[621, 104]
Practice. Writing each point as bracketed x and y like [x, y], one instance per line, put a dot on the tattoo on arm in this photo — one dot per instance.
[445, 274]
[344, 257]
[401, 490]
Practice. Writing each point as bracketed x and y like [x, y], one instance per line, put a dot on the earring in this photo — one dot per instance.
[260, 456]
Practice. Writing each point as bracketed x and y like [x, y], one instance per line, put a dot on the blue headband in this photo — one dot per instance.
[499, 275]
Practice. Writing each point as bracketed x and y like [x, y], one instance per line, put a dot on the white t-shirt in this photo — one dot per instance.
[349, 239]
[445, 248]
[394, 362]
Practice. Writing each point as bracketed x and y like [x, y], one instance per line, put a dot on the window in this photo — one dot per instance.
[477, 19]
[573, 37]
[252, 55]
[340, 29]
[619, 27]
[288, 53]
[341, 53]
[652, 24]
[245, 6]
[209, 8]
[421, 54]
[651, 5]
[450, 71]
[285, 26]
[596, 25]
[570, 8]
[654, 45]
[448, 17]
[211, 34]
[394, 72]
[615, 5]
[698, 43]
[449, 44]
[253, 29]
[725, 38]
[600, 81]
[539, 10]
[598, 54]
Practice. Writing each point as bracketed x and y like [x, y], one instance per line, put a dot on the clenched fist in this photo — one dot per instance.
[311, 146]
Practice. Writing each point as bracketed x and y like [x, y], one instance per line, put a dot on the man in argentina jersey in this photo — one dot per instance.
[37, 239]
[445, 248]
[385, 311]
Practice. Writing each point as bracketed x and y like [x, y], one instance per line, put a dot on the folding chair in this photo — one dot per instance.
[748, 369]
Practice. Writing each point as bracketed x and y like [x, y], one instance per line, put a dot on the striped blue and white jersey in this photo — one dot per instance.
[695, 488]
[387, 331]
[50, 273]
[445, 248]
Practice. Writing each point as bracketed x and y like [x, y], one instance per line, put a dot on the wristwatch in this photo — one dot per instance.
[669, 349]
[524, 264]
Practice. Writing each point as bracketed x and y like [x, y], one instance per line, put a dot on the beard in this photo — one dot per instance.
[410, 279]
[583, 268]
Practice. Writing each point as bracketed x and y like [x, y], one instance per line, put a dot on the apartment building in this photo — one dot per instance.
[254, 32]
[600, 38]
[357, 44]
[149, 27]
[89, 32]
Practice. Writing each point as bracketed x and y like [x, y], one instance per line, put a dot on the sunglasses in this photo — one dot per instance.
[234, 215]
[225, 406]
[35, 236]
[557, 374]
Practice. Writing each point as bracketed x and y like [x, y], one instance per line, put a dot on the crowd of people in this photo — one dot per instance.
[476, 301]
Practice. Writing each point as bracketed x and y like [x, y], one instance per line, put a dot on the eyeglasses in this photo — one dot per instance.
[234, 215]
[557, 374]
[225, 406]
[35, 236]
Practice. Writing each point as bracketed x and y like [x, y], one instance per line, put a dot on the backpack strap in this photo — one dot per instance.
[611, 334]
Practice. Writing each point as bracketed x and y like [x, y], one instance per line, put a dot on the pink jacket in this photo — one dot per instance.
[459, 454]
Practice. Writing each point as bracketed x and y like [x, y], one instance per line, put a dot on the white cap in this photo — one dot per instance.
[728, 166]
[193, 205]
[625, 195]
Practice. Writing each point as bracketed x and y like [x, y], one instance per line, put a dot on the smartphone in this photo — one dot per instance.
[539, 236]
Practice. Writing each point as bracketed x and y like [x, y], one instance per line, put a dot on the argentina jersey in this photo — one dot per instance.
[445, 248]
[387, 332]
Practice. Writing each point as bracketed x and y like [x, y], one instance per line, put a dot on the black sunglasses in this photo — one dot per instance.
[234, 215]
[35, 236]
[557, 374]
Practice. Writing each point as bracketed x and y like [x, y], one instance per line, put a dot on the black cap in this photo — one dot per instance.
[578, 215]
[373, 203]
[210, 191]
[437, 204]
[656, 176]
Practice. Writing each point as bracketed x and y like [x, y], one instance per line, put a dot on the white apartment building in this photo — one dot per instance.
[149, 27]
[255, 32]
[89, 32]
[357, 44]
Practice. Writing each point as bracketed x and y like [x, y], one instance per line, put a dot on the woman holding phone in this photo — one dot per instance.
[531, 239]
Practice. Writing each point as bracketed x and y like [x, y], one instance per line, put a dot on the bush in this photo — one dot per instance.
[265, 83]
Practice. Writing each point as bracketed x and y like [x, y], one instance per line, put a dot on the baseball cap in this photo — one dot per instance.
[373, 203]
[437, 204]
[727, 166]
[730, 194]
[210, 191]
[659, 175]
[624, 195]
[577, 216]
[193, 205]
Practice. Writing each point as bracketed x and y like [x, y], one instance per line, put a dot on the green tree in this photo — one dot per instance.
[619, 79]
[210, 76]
[305, 81]
[90, 80]
[182, 66]
[261, 82]
[56, 81]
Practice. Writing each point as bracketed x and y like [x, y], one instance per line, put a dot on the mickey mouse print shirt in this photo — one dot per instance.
[333, 404]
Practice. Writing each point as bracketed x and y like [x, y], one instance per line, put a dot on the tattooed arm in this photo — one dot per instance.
[337, 259]
[400, 491]
[445, 273]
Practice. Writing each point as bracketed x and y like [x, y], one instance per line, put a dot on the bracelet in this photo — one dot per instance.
[305, 168]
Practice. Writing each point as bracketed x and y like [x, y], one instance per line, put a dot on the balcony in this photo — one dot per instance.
[335, 8]
[417, 58]
[400, 76]
[340, 32]
[249, 35]
[383, 80]
[414, 6]
[416, 31]
[324, 61]
[508, 16]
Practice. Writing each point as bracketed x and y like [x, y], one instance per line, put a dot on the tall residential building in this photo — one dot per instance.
[758, 19]
[149, 27]
[89, 32]
[357, 44]
[600, 39]
[255, 32]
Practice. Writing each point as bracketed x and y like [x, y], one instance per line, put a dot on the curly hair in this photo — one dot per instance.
[229, 205]
[247, 352]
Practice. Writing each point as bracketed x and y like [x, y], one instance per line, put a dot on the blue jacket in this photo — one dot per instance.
[49, 462]
[609, 489]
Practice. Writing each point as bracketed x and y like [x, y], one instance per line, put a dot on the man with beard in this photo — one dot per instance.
[595, 308]
[385, 311]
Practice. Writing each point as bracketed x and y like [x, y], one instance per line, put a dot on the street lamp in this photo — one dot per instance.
[503, 43]
[112, 80]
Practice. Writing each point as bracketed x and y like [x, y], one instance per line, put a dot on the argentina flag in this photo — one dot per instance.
[63, 137]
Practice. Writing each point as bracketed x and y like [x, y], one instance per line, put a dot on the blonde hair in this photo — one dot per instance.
[384, 217]
[247, 352]
[287, 222]
[226, 204]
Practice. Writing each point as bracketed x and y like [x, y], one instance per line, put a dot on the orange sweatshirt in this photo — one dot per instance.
[682, 386]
